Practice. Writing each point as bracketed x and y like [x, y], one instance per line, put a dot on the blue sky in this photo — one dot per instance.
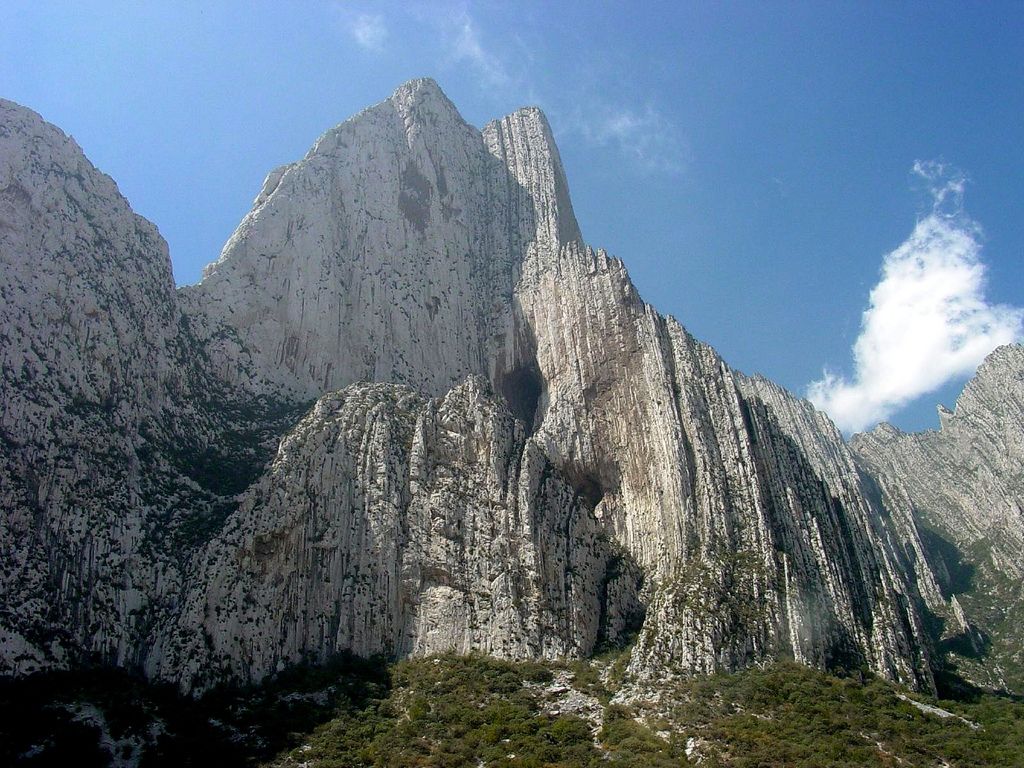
[767, 171]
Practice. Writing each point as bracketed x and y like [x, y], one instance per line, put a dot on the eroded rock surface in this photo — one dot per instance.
[119, 453]
[88, 323]
[964, 485]
[460, 254]
[390, 524]
[510, 451]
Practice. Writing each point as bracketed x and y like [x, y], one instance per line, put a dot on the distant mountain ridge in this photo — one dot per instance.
[964, 484]
[504, 448]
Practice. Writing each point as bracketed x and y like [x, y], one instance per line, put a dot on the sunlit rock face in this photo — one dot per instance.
[966, 477]
[389, 253]
[389, 523]
[88, 323]
[119, 454]
[964, 485]
[509, 451]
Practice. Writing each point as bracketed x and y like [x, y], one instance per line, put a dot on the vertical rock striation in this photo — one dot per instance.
[119, 452]
[963, 485]
[390, 524]
[386, 254]
[509, 451]
[88, 324]
[751, 549]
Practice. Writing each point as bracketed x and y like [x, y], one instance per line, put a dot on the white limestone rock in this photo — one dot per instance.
[966, 477]
[390, 524]
[386, 254]
[409, 247]
[110, 455]
[88, 319]
[417, 512]
[963, 485]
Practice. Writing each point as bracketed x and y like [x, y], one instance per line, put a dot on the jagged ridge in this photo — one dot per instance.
[961, 490]
[409, 249]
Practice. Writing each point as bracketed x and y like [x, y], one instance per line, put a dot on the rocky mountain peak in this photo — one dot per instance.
[75, 257]
[422, 99]
[510, 450]
[390, 252]
[90, 380]
[963, 484]
[523, 140]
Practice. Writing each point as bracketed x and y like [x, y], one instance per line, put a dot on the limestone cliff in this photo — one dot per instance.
[409, 247]
[391, 524]
[388, 253]
[112, 464]
[509, 451]
[964, 486]
[88, 319]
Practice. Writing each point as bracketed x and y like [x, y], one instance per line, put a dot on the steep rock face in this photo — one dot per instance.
[893, 526]
[387, 254]
[390, 524]
[88, 319]
[966, 477]
[112, 467]
[488, 274]
[654, 428]
[964, 484]
[751, 554]
[578, 438]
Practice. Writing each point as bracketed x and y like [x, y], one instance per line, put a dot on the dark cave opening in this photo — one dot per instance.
[522, 388]
[587, 486]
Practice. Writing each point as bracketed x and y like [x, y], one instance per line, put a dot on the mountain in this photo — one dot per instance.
[965, 486]
[90, 363]
[409, 410]
[393, 524]
[120, 451]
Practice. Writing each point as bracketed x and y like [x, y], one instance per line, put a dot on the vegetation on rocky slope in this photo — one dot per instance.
[471, 711]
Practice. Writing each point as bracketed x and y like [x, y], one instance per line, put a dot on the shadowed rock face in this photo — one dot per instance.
[966, 477]
[538, 457]
[88, 320]
[393, 524]
[964, 486]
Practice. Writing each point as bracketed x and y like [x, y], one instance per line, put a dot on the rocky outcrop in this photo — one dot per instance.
[387, 254]
[389, 524]
[539, 455]
[88, 321]
[964, 488]
[965, 478]
[112, 467]
[408, 247]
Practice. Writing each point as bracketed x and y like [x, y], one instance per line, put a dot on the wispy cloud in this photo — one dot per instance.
[511, 72]
[468, 48]
[927, 320]
[645, 136]
[368, 30]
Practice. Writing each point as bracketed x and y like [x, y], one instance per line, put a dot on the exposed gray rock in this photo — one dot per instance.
[87, 325]
[537, 437]
[408, 247]
[966, 478]
[388, 253]
[390, 524]
[964, 486]
[110, 461]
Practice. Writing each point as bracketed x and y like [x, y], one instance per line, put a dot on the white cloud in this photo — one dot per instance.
[466, 47]
[927, 321]
[369, 30]
[645, 136]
